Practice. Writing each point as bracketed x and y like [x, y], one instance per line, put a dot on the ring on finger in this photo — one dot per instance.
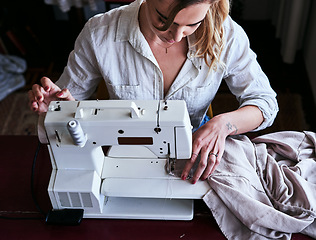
[214, 154]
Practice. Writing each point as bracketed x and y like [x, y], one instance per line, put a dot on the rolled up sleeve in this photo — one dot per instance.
[245, 78]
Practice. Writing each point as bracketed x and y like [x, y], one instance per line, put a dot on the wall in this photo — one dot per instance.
[258, 9]
[268, 9]
[310, 49]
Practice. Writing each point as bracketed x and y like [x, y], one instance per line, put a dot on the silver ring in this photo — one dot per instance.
[195, 154]
[211, 153]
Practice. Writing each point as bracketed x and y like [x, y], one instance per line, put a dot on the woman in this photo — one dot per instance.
[170, 49]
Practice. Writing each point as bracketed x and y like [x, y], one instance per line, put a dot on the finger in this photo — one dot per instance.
[31, 96]
[32, 101]
[38, 92]
[214, 160]
[211, 165]
[198, 141]
[65, 94]
[218, 159]
[47, 84]
[206, 162]
[200, 169]
[197, 146]
[189, 164]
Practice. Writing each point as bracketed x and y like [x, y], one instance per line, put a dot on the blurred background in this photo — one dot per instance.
[41, 34]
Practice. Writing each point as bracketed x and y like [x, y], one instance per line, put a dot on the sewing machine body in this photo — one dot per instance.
[132, 179]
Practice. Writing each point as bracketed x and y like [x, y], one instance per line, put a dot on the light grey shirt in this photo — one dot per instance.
[112, 48]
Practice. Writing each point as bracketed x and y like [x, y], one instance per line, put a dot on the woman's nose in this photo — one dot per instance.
[177, 33]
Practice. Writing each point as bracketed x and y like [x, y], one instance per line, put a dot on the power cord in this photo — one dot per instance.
[70, 217]
[32, 180]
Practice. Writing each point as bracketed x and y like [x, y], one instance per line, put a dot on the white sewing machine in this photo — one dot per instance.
[133, 179]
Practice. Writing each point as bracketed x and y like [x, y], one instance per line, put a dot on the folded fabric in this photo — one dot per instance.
[11, 74]
[265, 188]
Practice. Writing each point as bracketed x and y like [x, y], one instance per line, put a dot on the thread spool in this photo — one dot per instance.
[76, 133]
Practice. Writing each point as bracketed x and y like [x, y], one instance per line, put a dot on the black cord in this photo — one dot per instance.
[32, 193]
[32, 180]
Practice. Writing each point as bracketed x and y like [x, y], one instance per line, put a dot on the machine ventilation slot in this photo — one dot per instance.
[64, 200]
[86, 200]
[74, 199]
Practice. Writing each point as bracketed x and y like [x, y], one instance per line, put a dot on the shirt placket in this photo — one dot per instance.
[158, 83]
[188, 73]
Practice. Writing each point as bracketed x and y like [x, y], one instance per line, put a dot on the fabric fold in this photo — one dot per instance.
[265, 188]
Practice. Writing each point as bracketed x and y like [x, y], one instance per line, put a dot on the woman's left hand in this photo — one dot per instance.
[209, 142]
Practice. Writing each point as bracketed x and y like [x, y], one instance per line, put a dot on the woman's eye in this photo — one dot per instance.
[162, 20]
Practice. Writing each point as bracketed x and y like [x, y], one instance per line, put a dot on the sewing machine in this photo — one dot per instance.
[135, 178]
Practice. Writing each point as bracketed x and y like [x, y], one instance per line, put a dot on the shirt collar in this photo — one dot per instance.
[128, 25]
[128, 30]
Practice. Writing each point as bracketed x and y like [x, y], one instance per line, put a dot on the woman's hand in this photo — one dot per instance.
[41, 95]
[209, 140]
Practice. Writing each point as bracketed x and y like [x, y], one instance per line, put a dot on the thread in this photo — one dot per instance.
[76, 133]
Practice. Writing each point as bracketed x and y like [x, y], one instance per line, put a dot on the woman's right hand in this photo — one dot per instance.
[41, 95]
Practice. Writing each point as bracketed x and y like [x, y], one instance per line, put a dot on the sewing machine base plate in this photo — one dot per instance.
[146, 208]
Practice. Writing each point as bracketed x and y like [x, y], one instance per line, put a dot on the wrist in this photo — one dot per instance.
[228, 125]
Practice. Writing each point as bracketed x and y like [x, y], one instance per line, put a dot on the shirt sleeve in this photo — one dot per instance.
[81, 74]
[245, 78]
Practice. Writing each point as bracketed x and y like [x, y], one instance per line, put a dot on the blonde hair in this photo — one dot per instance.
[210, 34]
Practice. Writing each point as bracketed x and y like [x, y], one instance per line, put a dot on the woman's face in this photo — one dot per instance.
[185, 22]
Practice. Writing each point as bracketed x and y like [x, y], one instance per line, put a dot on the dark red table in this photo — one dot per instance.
[16, 154]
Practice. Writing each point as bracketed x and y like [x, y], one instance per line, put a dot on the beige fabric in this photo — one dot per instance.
[265, 188]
